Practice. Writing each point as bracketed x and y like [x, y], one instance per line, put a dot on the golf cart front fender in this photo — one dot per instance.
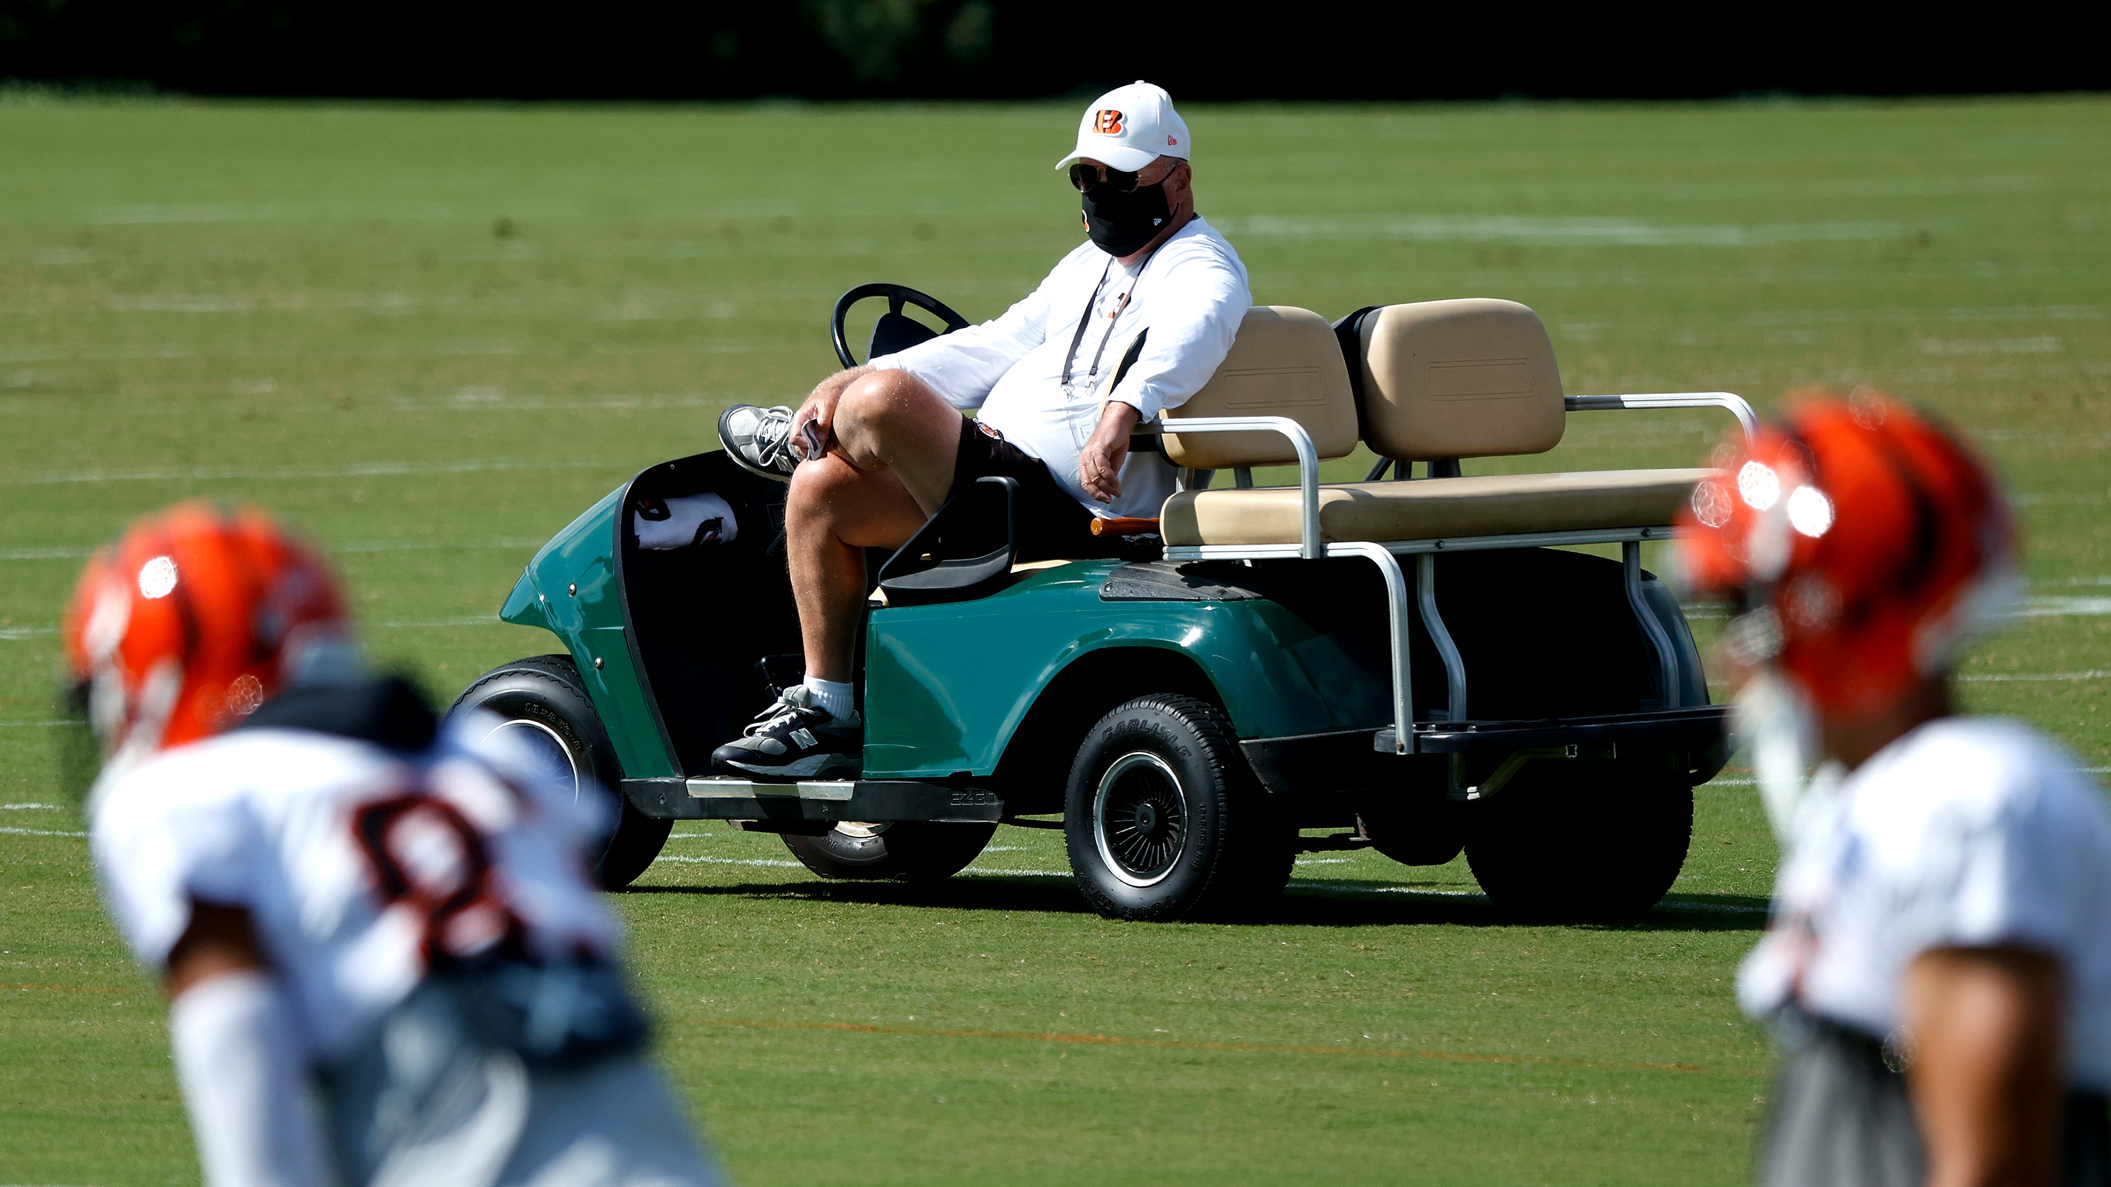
[948, 685]
[572, 590]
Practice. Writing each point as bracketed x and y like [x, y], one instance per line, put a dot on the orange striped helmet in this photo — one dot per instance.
[1866, 544]
[197, 615]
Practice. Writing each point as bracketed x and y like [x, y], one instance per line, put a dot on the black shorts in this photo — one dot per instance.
[1047, 522]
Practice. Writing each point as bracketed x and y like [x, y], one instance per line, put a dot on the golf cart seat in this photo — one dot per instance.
[1440, 381]
[1490, 505]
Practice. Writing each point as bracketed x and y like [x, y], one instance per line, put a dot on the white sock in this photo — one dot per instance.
[836, 696]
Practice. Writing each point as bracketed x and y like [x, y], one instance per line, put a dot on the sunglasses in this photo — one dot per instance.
[1084, 177]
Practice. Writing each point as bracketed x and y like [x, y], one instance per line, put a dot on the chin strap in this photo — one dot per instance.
[239, 1059]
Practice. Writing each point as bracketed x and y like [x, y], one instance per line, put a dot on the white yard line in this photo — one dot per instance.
[728, 861]
[2054, 607]
[1549, 231]
[37, 832]
[29, 808]
[1358, 888]
[1711, 908]
[2034, 677]
[42, 724]
[1295, 883]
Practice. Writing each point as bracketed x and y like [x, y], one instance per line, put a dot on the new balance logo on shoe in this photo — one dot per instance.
[795, 739]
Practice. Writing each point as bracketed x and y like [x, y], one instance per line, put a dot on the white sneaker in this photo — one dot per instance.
[759, 439]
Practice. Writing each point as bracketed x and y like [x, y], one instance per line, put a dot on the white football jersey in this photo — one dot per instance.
[359, 866]
[1967, 832]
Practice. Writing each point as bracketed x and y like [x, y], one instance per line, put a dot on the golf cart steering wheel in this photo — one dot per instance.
[893, 332]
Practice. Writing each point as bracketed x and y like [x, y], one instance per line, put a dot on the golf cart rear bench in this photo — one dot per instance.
[1264, 663]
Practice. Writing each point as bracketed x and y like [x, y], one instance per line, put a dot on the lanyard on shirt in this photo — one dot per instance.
[1070, 360]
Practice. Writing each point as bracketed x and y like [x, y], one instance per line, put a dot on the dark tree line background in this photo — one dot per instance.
[1001, 49]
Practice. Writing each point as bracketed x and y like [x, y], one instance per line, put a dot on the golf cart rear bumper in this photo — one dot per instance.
[821, 800]
[1347, 760]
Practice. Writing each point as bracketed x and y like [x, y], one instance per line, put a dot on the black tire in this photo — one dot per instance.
[1165, 820]
[1579, 839]
[904, 851]
[544, 697]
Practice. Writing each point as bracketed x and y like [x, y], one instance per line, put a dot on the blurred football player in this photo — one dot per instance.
[1938, 965]
[340, 893]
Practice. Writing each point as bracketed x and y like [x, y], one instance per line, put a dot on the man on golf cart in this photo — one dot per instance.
[876, 449]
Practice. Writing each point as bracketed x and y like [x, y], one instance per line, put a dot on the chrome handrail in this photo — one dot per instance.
[1300, 440]
[1734, 403]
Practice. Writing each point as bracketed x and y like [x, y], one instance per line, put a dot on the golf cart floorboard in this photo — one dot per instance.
[821, 800]
[1691, 728]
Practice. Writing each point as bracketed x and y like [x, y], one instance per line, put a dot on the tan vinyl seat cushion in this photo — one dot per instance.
[1490, 505]
[1473, 377]
[1285, 362]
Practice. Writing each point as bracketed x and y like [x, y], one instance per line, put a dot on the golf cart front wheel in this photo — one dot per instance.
[904, 851]
[542, 706]
[1164, 820]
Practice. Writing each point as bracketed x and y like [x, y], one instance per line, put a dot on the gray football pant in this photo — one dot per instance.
[1839, 1117]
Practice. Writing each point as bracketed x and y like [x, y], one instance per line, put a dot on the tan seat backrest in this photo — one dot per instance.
[1466, 378]
[1285, 362]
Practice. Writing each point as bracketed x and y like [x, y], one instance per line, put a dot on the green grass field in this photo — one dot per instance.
[431, 336]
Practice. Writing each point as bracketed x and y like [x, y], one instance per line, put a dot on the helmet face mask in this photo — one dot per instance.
[192, 620]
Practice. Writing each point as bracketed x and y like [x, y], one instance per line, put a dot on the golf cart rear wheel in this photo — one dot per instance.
[905, 851]
[1164, 819]
[544, 705]
[1583, 839]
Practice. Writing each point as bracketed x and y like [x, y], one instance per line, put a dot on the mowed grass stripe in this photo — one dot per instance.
[1103, 1040]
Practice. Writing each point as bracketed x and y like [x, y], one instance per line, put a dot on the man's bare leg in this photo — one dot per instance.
[890, 469]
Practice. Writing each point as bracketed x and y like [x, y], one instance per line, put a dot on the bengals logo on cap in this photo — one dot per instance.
[1108, 122]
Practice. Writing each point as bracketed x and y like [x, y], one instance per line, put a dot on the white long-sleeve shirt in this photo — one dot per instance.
[1191, 294]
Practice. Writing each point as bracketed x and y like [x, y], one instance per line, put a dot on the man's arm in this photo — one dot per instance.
[1099, 463]
[238, 1056]
[1985, 1026]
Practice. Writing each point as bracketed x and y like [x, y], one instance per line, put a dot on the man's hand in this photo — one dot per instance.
[1099, 463]
[820, 408]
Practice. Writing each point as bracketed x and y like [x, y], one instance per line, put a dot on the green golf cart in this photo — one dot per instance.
[1420, 662]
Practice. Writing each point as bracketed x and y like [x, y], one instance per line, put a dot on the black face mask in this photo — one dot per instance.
[1120, 224]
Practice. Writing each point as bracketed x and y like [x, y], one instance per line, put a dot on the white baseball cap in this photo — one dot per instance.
[1129, 127]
